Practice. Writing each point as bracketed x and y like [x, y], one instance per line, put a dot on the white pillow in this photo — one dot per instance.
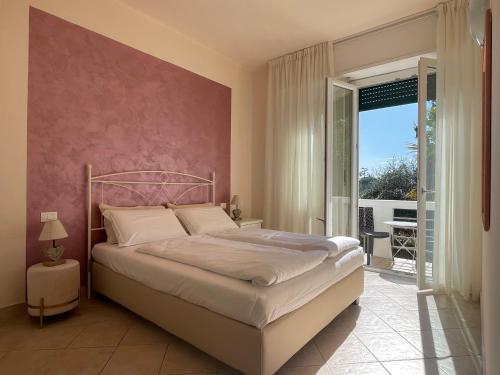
[133, 227]
[205, 219]
[110, 233]
[192, 205]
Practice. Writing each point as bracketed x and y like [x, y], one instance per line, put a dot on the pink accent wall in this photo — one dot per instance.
[94, 100]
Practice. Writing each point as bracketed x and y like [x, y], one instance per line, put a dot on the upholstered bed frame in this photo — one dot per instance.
[249, 349]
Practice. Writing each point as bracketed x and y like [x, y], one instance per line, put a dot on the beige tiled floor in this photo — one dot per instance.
[405, 267]
[394, 330]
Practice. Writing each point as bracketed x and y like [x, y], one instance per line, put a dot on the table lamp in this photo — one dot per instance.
[53, 230]
[236, 202]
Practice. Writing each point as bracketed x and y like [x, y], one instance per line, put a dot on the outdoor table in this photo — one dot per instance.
[403, 243]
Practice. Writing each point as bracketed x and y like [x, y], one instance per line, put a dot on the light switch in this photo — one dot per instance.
[48, 216]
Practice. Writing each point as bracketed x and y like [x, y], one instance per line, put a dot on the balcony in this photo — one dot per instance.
[403, 262]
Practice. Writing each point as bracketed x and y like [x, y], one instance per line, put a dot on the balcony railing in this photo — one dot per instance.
[383, 210]
[392, 210]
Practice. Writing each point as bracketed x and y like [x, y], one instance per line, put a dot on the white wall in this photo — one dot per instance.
[490, 299]
[121, 23]
[383, 210]
[13, 104]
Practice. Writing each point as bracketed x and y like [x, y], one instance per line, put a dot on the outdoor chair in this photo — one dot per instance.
[367, 231]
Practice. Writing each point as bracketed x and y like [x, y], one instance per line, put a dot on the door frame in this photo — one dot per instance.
[424, 64]
[330, 82]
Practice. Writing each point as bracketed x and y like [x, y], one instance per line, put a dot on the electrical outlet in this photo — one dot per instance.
[223, 205]
[48, 216]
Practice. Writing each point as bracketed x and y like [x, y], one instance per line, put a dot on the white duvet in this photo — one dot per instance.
[262, 265]
[297, 241]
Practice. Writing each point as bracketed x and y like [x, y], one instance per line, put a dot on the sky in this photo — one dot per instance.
[385, 133]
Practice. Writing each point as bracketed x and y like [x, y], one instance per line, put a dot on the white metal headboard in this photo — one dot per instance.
[159, 178]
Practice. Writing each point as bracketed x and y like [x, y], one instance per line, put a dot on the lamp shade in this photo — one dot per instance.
[236, 200]
[52, 230]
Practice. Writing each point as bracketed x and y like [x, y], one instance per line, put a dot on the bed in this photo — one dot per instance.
[252, 328]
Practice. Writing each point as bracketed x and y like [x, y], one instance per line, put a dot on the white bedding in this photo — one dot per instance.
[236, 299]
[297, 241]
[262, 265]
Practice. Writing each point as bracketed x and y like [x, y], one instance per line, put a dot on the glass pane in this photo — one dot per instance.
[342, 161]
[430, 169]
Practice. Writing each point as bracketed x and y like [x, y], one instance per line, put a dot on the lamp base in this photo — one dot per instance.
[236, 214]
[54, 254]
[52, 263]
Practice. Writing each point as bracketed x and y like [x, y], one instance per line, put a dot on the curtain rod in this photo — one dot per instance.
[388, 25]
[412, 17]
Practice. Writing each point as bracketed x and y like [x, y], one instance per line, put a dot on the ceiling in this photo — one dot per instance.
[254, 31]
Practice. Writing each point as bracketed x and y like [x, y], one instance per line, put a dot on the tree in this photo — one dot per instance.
[397, 180]
[430, 132]
[365, 180]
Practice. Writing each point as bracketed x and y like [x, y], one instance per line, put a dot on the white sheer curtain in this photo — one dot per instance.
[457, 255]
[295, 139]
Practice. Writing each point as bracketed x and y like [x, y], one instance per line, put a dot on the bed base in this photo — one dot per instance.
[249, 349]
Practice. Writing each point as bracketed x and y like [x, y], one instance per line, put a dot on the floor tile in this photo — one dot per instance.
[183, 358]
[15, 315]
[442, 319]
[380, 303]
[143, 332]
[405, 320]
[100, 335]
[84, 361]
[372, 291]
[394, 290]
[26, 362]
[461, 365]
[441, 343]
[136, 360]
[308, 370]
[469, 317]
[19, 337]
[338, 349]
[53, 337]
[473, 337]
[375, 284]
[96, 313]
[422, 302]
[408, 283]
[14, 338]
[309, 355]
[357, 319]
[408, 302]
[436, 301]
[223, 369]
[389, 346]
[80, 361]
[414, 367]
[372, 368]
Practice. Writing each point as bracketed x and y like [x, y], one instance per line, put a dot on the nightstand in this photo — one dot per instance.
[249, 223]
[53, 290]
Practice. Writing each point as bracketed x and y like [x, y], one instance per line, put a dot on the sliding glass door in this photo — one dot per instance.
[341, 174]
[426, 170]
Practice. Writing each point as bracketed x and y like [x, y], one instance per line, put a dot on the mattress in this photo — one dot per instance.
[236, 299]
